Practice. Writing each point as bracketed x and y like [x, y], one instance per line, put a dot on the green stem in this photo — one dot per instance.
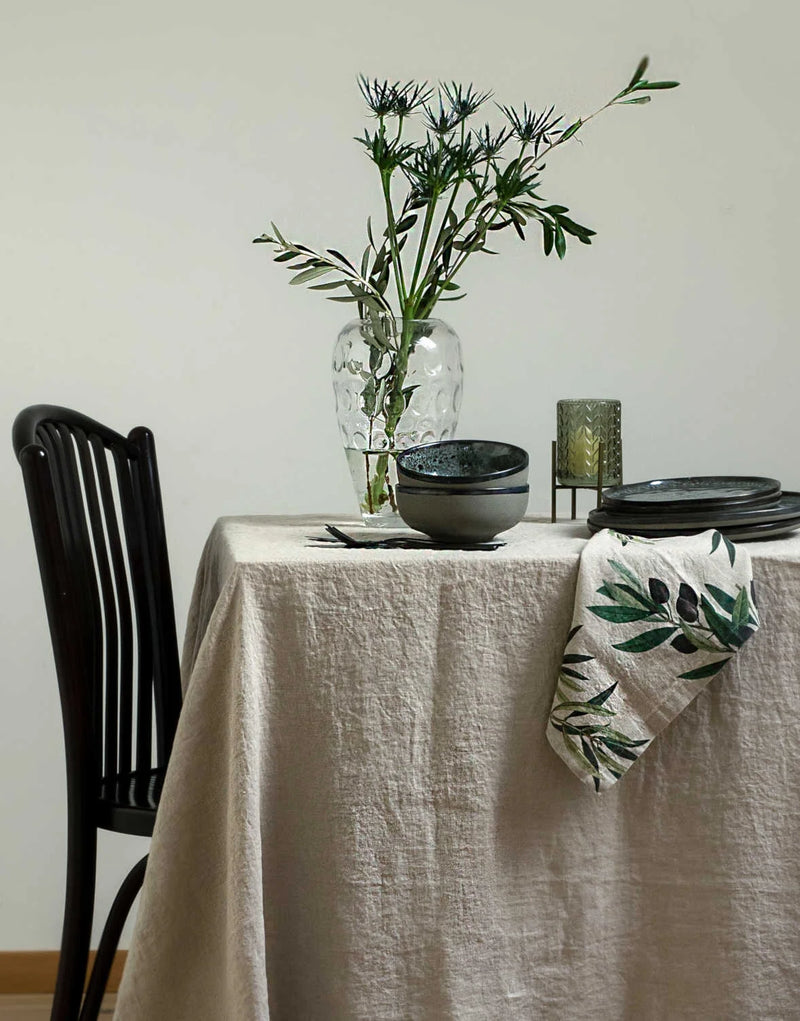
[395, 250]
[438, 244]
[498, 209]
[379, 489]
[430, 211]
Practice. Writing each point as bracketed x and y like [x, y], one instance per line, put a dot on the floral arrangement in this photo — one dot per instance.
[461, 185]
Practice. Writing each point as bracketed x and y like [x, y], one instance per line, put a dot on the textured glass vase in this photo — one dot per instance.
[582, 426]
[397, 383]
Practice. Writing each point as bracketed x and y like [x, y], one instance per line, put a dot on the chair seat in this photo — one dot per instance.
[128, 801]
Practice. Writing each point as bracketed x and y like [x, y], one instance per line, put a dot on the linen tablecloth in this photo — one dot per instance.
[363, 819]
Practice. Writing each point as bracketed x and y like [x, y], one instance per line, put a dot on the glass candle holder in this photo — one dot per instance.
[582, 425]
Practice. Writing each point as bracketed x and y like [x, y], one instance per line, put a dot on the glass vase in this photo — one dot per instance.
[397, 383]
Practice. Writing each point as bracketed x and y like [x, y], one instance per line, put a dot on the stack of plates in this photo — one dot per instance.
[741, 507]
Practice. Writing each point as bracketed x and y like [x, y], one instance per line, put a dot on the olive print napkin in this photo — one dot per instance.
[654, 620]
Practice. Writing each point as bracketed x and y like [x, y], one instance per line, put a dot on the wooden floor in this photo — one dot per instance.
[37, 1008]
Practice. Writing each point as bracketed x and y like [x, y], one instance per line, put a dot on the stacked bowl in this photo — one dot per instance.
[462, 490]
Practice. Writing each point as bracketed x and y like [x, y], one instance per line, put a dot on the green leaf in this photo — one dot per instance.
[574, 657]
[627, 596]
[561, 242]
[571, 672]
[584, 763]
[405, 224]
[730, 548]
[584, 707]
[548, 237]
[408, 392]
[741, 609]
[619, 614]
[603, 695]
[589, 753]
[647, 640]
[628, 575]
[726, 601]
[576, 229]
[613, 767]
[716, 539]
[341, 258]
[285, 256]
[620, 750]
[656, 85]
[698, 641]
[721, 627]
[638, 74]
[572, 725]
[568, 682]
[639, 99]
[310, 274]
[570, 131]
[456, 297]
[705, 671]
[329, 286]
[573, 632]
[624, 740]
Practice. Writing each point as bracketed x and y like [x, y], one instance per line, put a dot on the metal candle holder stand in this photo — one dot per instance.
[554, 485]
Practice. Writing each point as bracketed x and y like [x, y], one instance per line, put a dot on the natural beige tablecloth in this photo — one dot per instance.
[363, 818]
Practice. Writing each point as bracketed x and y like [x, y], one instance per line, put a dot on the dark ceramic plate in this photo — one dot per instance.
[692, 493]
[783, 508]
[738, 533]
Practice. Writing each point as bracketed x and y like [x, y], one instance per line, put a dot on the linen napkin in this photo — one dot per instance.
[654, 621]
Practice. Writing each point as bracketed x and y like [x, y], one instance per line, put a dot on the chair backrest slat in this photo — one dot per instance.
[102, 554]
[108, 603]
[119, 709]
[140, 742]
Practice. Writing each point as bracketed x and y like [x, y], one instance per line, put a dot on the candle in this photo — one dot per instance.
[582, 453]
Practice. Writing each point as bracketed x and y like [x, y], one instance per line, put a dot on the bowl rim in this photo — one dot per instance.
[448, 491]
[450, 479]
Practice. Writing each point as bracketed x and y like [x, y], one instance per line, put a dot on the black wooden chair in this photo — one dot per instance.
[95, 506]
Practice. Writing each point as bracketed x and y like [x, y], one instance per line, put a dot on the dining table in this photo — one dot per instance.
[363, 820]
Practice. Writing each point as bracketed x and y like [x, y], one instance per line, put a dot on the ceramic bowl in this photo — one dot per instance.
[451, 514]
[463, 464]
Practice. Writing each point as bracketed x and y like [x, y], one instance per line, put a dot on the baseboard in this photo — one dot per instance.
[34, 971]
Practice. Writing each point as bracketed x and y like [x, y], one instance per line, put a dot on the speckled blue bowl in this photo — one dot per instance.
[465, 464]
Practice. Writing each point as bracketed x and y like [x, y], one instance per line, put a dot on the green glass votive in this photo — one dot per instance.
[582, 426]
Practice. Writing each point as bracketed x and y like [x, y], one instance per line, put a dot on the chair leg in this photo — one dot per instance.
[109, 940]
[78, 910]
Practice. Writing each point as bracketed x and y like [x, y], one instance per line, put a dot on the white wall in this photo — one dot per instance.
[144, 145]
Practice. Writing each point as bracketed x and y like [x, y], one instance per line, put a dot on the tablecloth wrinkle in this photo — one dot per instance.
[363, 819]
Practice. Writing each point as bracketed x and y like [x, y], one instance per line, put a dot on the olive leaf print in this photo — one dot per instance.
[585, 723]
[716, 539]
[623, 538]
[652, 623]
[688, 620]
